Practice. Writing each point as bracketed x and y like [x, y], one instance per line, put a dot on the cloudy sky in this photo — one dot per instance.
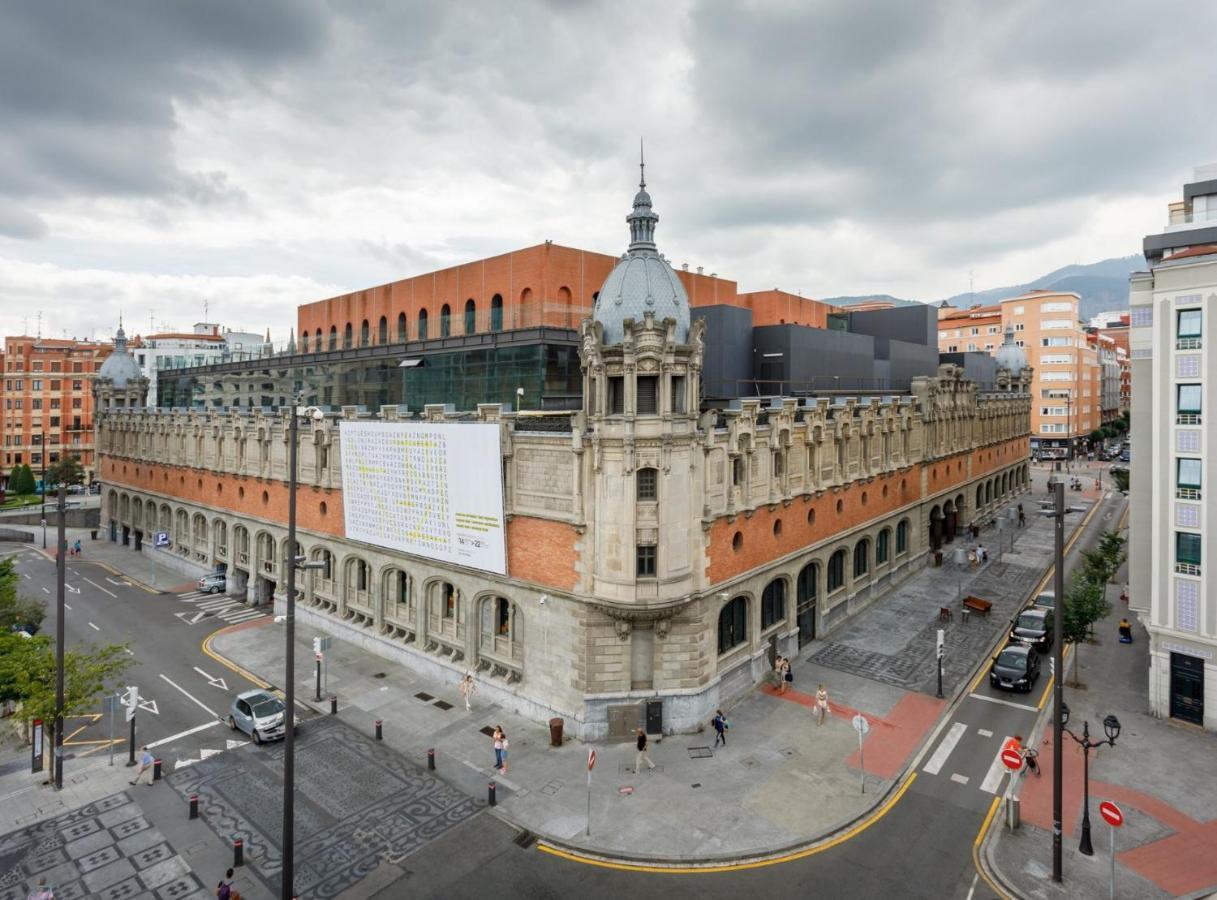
[156, 156]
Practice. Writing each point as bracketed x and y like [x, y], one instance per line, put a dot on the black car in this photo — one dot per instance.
[1016, 668]
[1034, 628]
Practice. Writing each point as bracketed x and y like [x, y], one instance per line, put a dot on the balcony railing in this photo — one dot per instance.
[1187, 418]
[1187, 493]
[1188, 343]
[1186, 568]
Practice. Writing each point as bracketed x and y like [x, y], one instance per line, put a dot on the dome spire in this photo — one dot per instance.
[642, 219]
[642, 166]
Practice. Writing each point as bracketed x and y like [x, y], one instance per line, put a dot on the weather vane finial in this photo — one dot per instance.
[642, 166]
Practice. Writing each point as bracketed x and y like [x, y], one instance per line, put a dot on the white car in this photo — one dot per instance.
[259, 714]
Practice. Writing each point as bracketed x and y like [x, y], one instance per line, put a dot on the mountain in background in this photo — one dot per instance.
[1102, 286]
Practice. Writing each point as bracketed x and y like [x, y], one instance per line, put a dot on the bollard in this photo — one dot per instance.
[379, 735]
[238, 852]
[156, 770]
[431, 760]
[194, 806]
[490, 793]
[333, 705]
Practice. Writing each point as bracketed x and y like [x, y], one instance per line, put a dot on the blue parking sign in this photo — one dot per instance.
[162, 539]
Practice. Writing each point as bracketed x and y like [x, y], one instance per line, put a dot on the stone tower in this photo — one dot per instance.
[119, 383]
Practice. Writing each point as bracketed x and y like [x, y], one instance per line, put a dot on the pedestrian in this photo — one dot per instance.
[720, 728]
[642, 753]
[984, 554]
[41, 892]
[1022, 517]
[468, 688]
[145, 765]
[821, 705]
[226, 889]
[77, 547]
[498, 746]
[778, 680]
[1125, 631]
[1031, 761]
[503, 752]
[787, 675]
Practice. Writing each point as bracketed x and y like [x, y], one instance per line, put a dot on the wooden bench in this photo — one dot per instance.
[975, 604]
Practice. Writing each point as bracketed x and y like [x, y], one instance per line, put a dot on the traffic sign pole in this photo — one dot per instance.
[1114, 817]
[591, 764]
[862, 727]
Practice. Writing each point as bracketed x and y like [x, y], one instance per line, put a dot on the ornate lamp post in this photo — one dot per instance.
[1111, 727]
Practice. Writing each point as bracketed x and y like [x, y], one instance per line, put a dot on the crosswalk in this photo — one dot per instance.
[218, 606]
[994, 775]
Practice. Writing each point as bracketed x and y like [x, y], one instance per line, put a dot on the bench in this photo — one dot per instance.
[975, 604]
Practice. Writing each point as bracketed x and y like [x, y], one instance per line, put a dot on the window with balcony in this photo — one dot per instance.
[1187, 336]
[1187, 404]
[1187, 479]
[1187, 553]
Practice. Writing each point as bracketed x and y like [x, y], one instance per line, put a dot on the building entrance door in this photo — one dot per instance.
[1187, 688]
[805, 603]
[139, 539]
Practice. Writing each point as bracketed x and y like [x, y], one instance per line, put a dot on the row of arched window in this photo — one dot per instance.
[318, 342]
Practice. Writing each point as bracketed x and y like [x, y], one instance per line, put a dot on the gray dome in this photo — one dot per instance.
[641, 282]
[120, 367]
[1010, 355]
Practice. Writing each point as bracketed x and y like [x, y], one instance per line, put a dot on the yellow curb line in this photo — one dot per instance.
[229, 664]
[711, 868]
[980, 837]
[135, 582]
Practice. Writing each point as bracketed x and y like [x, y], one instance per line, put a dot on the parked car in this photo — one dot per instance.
[1125, 456]
[1033, 627]
[214, 583]
[1016, 668]
[259, 714]
[1044, 600]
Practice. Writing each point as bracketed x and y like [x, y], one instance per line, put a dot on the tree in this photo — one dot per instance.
[15, 609]
[1085, 603]
[67, 471]
[21, 481]
[1119, 476]
[1112, 546]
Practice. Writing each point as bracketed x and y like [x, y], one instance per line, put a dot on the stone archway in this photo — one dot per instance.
[936, 528]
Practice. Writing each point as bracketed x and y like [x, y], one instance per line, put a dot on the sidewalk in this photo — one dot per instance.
[160, 574]
[1162, 775]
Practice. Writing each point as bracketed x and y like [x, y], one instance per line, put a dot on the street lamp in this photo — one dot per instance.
[1111, 727]
[60, 583]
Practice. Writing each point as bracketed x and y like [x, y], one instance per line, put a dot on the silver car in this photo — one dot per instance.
[259, 714]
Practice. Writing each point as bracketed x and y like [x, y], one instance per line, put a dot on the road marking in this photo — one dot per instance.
[997, 769]
[45, 591]
[68, 608]
[984, 732]
[988, 699]
[214, 605]
[214, 682]
[26, 576]
[94, 627]
[980, 836]
[934, 766]
[959, 779]
[972, 889]
[149, 706]
[243, 616]
[229, 664]
[102, 589]
[71, 589]
[189, 695]
[182, 734]
[193, 617]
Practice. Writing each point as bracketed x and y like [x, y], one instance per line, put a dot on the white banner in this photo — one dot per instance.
[431, 489]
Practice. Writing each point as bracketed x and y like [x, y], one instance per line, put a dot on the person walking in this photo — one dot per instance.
[787, 675]
[1022, 517]
[778, 675]
[76, 546]
[503, 752]
[642, 753]
[145, 765]
[41, 891]
[821, 705]
[498, 739]
[468, 687]
[720, 728]
[226, 889]
[1030, 761]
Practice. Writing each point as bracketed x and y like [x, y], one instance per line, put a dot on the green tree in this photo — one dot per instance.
[1119, 476]
[1085, 603]
[21, 480]
[1112, 545]
[15, 609]
[67, 471]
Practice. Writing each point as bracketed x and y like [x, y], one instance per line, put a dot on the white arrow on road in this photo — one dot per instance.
[73, 590]
[191, 618]
[120, 583]
[214, 682]
[149, 705]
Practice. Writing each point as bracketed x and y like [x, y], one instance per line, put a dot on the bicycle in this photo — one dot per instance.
[1030, 762]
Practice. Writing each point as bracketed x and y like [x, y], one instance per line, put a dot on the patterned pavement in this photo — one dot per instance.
[359, 806]
[105, 850]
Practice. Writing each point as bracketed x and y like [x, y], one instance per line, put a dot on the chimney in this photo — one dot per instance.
[685, 266]
[699, 270]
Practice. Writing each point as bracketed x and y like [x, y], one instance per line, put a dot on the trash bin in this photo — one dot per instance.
[555, 732]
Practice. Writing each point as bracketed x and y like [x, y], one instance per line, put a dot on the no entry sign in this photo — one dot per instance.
[1011, 758]
[1111, 813]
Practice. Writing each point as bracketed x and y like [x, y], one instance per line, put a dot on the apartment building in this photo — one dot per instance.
[1172, 584]
[47, 404]
[1067, 386]
[159, 352]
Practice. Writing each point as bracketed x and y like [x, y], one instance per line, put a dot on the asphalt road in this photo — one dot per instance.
[184, 694]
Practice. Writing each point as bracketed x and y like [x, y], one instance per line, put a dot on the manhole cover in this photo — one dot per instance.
[442, 704]
[487, 730]
[700, 753]
[424, 697]
[524, 839]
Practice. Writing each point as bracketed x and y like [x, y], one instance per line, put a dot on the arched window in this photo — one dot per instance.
[422, 324]
[883, 546]
[445, 321]
[836, 571]
[501, 629]
[319, 345]
[470, 316]
[773, 603]
[648, 484]
[401, 328]
[808, 584]
[496, 313]
[365, 336]
[304, 342]
[902, 536]
[382, 331]
[980, 496]
[333, 337]
[219, 533]
[861, 558]
[347, 338]
[732, 624]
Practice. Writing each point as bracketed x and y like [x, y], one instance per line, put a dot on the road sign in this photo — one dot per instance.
[941, 641]
[591, 759]
[161, 539]
[1112, 813]
[860, 724]
[1011, 758]
[131, 701]
[321, 644]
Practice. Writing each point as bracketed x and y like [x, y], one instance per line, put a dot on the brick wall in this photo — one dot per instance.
[543, 552]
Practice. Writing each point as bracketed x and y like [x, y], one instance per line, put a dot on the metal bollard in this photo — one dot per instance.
[379, 734]
[431, 760]
[194, 806]
[156, 770]
[490, 788]
[238, 852]
[333, 705]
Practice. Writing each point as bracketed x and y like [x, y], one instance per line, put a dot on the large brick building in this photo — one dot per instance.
[655, 551]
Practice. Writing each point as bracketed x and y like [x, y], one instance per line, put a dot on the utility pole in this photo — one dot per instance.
[60, 582]
[42, 456]
[287, 878]
[1058, 683]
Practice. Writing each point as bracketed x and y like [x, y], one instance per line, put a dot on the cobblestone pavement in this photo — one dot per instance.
[359, 807]
[106, 850]
[894, 642]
